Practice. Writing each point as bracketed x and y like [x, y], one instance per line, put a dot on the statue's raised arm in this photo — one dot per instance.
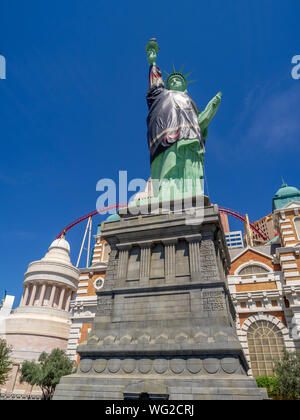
[205, 117]
[155, 77]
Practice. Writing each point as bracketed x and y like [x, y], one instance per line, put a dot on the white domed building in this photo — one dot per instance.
[43, 319]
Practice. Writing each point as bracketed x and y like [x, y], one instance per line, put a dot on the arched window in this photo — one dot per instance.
[265, 344]
[253, 269]
[297, 226]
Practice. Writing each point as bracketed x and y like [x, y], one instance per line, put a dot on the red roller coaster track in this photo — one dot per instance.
[242, 218]
[86, 216]
[229, 212]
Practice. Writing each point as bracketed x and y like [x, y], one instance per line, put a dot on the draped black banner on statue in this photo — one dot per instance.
[172, 115]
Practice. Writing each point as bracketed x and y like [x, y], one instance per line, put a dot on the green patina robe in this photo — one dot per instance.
[182, 161]
[177, 131]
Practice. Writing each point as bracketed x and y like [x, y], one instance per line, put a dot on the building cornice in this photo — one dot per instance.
[101, 267]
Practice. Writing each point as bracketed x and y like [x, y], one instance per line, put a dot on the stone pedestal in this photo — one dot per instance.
[165, 320]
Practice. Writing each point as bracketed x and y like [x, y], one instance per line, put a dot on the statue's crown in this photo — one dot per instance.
[180, 74]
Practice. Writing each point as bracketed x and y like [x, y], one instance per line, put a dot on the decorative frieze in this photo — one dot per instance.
[17, 396]
[171, 365]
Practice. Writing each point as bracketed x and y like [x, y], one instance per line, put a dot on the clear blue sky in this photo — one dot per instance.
[73, 109]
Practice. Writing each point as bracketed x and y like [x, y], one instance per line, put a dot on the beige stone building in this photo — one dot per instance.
[85, 303]
[42, 320]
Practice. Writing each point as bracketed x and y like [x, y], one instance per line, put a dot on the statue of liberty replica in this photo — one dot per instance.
[177, 130]
[164, 328]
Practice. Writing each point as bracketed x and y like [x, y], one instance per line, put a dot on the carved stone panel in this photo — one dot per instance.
[213, 301]
[145, 260]
[123, 261]
[104, 305]
[157, 262]
[133, 271]
[182, 258]
[151, 306]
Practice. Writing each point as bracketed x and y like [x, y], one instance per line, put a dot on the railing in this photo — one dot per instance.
[11, 396]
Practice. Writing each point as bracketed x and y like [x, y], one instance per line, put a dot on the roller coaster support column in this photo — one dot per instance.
[83, 241]
[89, 243]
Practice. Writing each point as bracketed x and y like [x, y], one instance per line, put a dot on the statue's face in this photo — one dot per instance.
[176, 83]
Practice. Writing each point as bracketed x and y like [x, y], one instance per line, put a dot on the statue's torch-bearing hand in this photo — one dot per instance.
[152, 49]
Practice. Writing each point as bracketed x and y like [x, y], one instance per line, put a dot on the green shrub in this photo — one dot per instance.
[286, 384]
[5, 362]
[287, 370]
[271, 385]
[46, 373]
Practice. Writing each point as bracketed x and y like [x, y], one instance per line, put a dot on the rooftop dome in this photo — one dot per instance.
[284, 196]
[54, 268]
[113, 218]
[58, 251]
[60, 243]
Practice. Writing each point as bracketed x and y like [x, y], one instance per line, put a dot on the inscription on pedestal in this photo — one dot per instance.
[104, 305]
[213, 301]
